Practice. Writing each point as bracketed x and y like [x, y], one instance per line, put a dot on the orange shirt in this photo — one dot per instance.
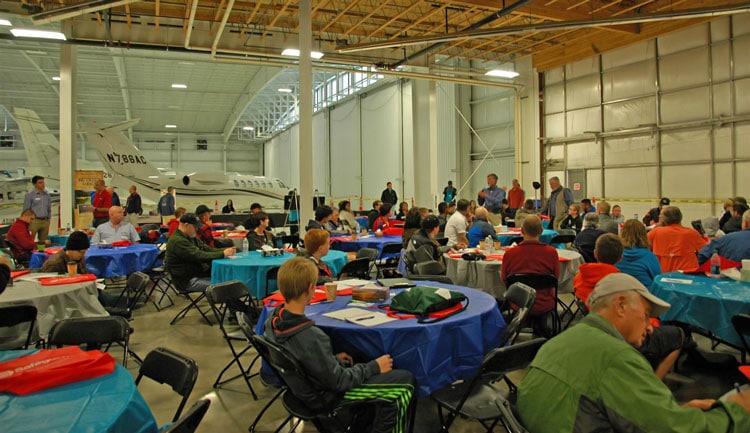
[516, 197]
[676, 247]
[588, 275]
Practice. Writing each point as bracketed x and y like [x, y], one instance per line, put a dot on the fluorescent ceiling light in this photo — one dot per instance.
[285, 90]
[5, 23]
[170, 126]
[293, 52]
[248, 128]
[37, 53]
[153, 177]
[42, 34]
[501, 73]
[55, 78]
[179, 86]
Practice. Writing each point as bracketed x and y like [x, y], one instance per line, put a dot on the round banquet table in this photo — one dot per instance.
[250, 268]
[109, 403]
[485, 274]
[707, 303]
[54, 303]
[545, 238]
[111, 262]
[437, 354]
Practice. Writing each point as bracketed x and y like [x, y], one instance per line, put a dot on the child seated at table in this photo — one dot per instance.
[390, 391]
[74, 251]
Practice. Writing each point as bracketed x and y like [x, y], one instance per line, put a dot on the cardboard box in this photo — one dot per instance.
[371, 293]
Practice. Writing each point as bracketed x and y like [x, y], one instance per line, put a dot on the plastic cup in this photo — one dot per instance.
[331, 291]
[72, 268]
[40, 247]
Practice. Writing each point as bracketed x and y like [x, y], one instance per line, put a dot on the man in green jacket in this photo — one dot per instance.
[592, 378]
[189, 258]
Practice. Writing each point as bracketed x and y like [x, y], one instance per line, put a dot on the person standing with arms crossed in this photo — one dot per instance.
[133, 207]
[40, 202]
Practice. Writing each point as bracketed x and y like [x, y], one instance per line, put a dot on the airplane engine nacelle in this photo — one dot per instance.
[186, 180]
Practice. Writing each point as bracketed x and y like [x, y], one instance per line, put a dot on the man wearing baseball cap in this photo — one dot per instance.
[592, 378]
[188, 259]
[203, 213]
[652, 216]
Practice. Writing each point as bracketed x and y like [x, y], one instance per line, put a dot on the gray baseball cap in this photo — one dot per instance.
[619, 282]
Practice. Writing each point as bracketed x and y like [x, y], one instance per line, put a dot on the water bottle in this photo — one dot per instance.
[245, 245]
[715, 265]
[67, 228]
[488, 242]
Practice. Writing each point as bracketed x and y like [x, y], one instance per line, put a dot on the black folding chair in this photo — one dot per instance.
[563, 239]
[741, 323]
[477, 398]
[271, 275]
[194, 294]
[135, 287]
[436, 278]
[288, 369]
[389, 257]
[161, 282]
[93, 332]
[523, 297]
[221, 297]
[14, 316]
[428, 268]
[178, 371]
[192, 419]
[540, 282]
[372, 255]
[516, 240]
[357, 268]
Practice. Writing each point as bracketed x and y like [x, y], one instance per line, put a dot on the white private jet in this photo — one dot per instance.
[122, 158]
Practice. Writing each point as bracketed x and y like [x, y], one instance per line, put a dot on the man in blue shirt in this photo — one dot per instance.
[40, 202]
[166, 205]
[492, 199]
[449, 192]
[115, 229]
[733, 246]
[480, 229]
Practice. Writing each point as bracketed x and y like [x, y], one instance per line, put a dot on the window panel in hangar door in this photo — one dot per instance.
[577, 184]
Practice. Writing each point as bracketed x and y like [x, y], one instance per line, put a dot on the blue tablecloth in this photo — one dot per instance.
[705, 302]
[437, 354]
[108, 403]
[371, 241]
[111, 262]
[545, 238]
[251, 268]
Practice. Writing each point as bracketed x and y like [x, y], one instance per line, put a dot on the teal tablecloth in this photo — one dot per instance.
[251, 268]
[109, 403]
[704, 302]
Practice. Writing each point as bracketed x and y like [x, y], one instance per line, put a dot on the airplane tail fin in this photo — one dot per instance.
[118, 154]
[41, 146]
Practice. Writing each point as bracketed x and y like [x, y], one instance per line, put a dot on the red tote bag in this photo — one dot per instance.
[51, 368]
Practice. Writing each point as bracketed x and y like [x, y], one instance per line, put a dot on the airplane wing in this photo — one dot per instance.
[40, 144]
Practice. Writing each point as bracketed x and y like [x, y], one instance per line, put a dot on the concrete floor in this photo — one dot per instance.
[232, 406]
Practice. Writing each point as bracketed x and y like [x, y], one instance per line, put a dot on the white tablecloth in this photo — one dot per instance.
[485, 274]
[54, 303]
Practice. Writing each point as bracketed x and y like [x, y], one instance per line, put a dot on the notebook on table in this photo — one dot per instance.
[396, 283]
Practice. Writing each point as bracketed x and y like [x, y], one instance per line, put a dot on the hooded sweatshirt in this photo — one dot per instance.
[312, 348]
[588, 275]
[641, 264]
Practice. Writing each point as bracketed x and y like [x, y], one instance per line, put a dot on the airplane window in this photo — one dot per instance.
[257, 185]
[236, 184]
[243, 184]
[281, 184]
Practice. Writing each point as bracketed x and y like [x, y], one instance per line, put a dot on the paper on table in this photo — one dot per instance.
[677, 280]
[351, 282]
[36, 276]
[360, 316]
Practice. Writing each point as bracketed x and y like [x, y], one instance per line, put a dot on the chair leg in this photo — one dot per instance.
[252, 427]
[244, 373]
[193, 303]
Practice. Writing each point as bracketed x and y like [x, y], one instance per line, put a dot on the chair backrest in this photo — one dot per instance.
[192, 419]
[423, 254]
[178, 371]
[137, 281]
[506, 359]
[570, 232]
[516, 240]
[443, 241]
[218, 294]
[271, 275]
[741, 323]
[359, 268]
[91, 331]
[563, 239]
[430, 267]
[16, 315]
[294, 377]
[523, 297]
[246, 325]
[370, 253]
